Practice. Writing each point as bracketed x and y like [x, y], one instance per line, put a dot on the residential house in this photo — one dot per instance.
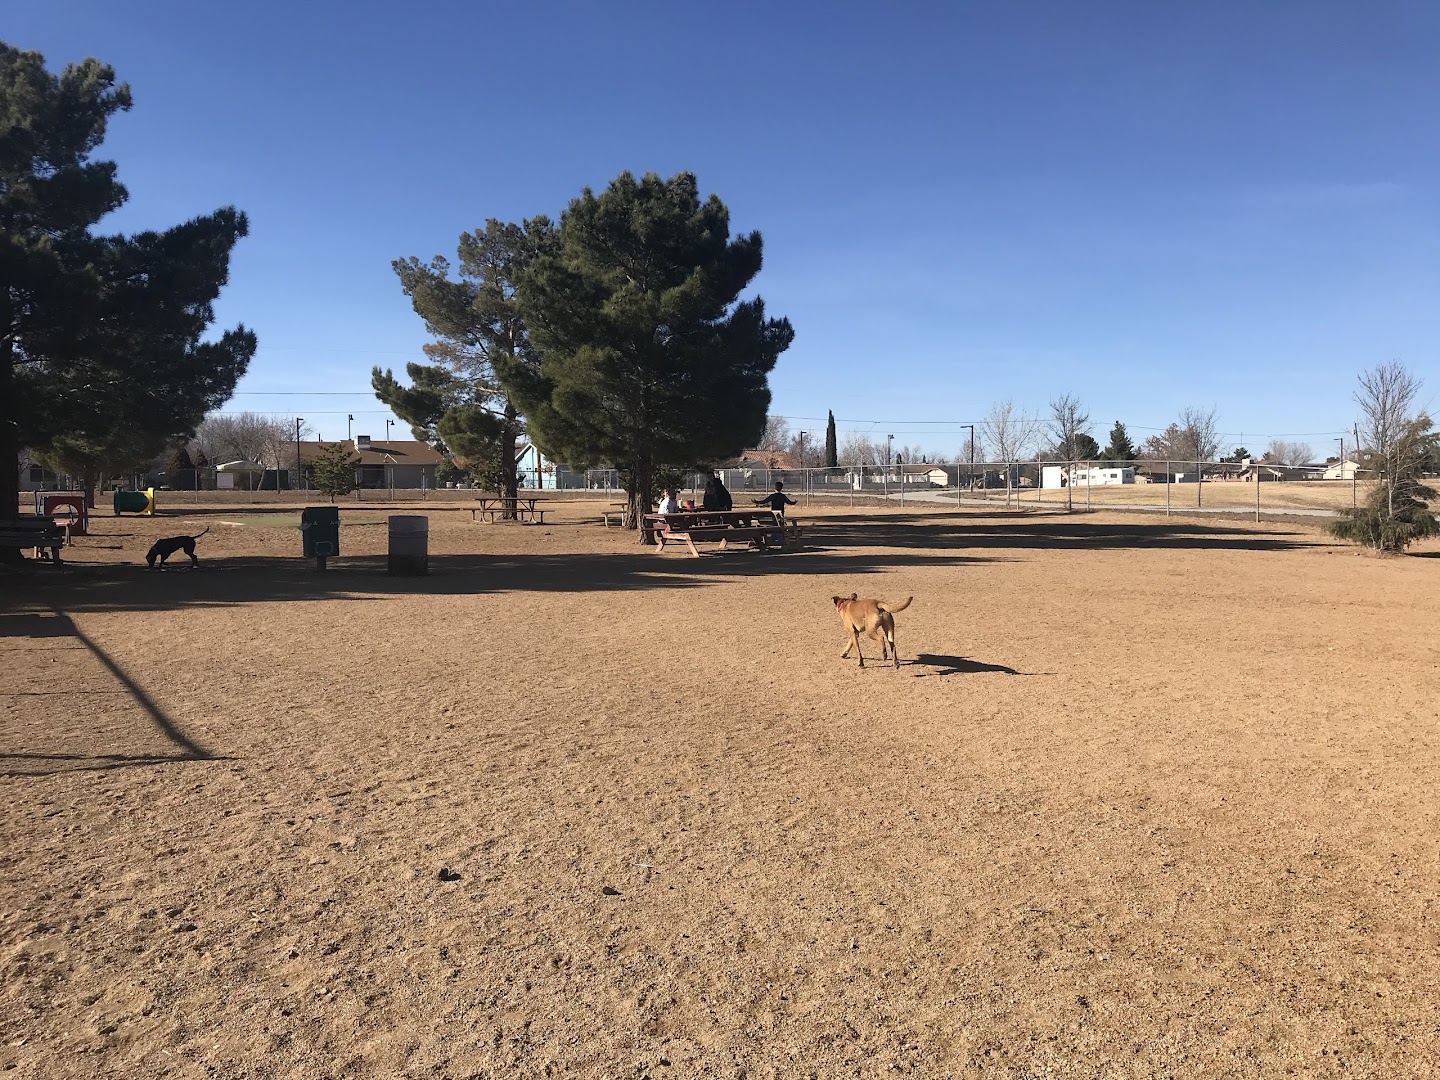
[1341, 470]
[1267, 472]
[401, 463]
[760, 469]
[35, 477]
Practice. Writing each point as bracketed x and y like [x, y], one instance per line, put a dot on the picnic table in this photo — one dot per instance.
[760, 527]
[39, 533]
[523, 509]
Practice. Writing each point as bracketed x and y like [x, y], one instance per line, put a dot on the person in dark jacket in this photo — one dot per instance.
[777, 499]
[711, 501]
[722, 495]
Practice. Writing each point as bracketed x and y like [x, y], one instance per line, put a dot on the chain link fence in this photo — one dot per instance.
[1148, 486]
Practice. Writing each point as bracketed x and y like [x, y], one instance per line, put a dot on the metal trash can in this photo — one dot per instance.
[409, 544]
[320, 533]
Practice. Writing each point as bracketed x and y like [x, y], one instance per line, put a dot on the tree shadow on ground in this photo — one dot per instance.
[227, 582]
[962, 665]
[55, 625]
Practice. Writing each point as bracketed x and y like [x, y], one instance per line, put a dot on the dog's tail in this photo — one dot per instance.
[892, 608]
[203, 531]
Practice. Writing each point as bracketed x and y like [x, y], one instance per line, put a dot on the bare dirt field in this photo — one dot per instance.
[1275, 497]
[1147, 798]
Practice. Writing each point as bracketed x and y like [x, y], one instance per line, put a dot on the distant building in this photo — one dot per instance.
[1341, 470]
[401, 463]
[1057, 476]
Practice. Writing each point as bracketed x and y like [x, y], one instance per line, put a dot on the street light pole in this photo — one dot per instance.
[349, 419]
[970, 473]
[804, 472]
[296, 484]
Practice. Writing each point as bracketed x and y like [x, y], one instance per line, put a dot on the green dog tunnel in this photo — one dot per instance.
[134, 502]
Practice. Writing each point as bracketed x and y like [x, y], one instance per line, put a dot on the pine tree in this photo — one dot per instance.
[1120, 451]
[459, 399]
[101, 358]
[334, 471]
[647, 358]
[832, 453]
[1402, 447]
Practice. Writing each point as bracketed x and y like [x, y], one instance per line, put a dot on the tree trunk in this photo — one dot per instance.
[9, 443]
[509, 471]
[88, 480]
[638, 492]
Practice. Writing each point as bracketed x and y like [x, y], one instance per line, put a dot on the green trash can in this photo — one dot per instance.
[320, 533]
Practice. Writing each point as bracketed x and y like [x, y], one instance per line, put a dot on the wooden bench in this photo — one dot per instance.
[617, 511]
[40, 534]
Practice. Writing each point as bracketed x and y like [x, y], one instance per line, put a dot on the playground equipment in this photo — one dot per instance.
[66, 509]
[320, 533]
[135, 502]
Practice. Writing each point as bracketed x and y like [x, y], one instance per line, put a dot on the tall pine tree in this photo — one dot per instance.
[101, 358]
[647, 358]
[832, 453]
[1120, 451]
[458, 399]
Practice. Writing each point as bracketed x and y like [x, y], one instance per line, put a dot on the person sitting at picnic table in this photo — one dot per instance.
[722, 495]
[669, 504]
[776, 500]
[712, 499]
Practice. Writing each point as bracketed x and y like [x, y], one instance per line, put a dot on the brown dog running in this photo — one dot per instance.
[874, 618]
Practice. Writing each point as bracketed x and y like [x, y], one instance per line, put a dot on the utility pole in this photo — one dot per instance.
[296, 484]
[1355, 473]
[889, 442]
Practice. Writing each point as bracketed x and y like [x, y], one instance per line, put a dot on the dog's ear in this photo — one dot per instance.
[836, 599]
[854, 596]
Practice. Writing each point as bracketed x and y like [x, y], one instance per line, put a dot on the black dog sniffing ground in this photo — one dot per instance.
[163, 549]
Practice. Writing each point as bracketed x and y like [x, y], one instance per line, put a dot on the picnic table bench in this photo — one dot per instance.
[759, 527]
[523, 509]
[38, 533]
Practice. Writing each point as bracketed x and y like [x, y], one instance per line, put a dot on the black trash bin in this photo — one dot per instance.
[320, 533]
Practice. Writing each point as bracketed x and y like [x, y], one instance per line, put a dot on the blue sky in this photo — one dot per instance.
[1146, 205]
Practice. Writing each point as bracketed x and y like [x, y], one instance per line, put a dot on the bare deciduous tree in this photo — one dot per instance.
[1281, 452]
[247, 436]
[1069, 421]
[1397, 438]
[858, 448]
[1198, 428]
[777, 434]
[1010, 433]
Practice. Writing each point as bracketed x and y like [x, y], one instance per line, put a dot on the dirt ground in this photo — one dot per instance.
[1147, 798]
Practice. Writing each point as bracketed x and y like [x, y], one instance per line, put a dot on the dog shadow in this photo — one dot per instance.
[963, 665]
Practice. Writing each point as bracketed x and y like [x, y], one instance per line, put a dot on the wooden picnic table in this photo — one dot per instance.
[759, 526]
[522, 509]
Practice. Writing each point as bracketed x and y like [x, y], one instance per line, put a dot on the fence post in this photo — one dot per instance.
[1257, 496]
[1200, 482]
[1167, 489]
